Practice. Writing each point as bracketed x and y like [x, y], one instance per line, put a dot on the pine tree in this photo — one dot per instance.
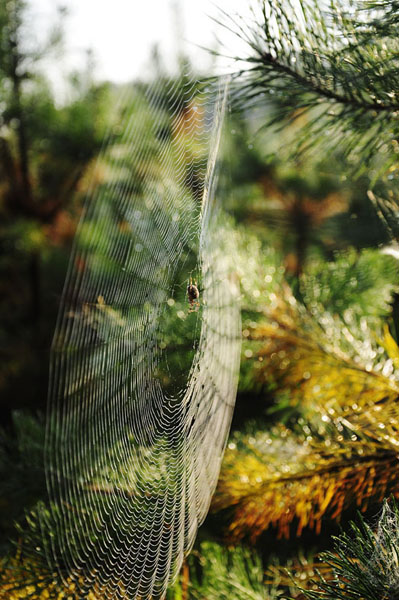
[330, 75]
[331, 68]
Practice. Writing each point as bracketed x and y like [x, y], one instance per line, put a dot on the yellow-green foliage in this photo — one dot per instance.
[21, 578]
[276, 481]
[326, 364]
[343, 454]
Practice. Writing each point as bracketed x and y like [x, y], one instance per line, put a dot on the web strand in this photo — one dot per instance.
[136, 427]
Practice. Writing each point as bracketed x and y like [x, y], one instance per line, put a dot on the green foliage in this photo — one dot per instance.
[228, 574]
[22, 481]
[46, 151]
[333, 70]
[330, 78]
[330, 363]
[365, 561]
[362, 282]
[319, 358]
[363, 564]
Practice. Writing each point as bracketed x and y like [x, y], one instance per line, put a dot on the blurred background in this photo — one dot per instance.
[319, 284]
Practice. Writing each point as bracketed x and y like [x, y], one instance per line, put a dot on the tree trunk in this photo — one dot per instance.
[34, 281]
[22, 141]
[185, 581]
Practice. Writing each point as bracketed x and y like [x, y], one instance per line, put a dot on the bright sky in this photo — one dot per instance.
[122, 32]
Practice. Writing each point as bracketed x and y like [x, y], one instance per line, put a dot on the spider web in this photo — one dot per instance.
[141, 388]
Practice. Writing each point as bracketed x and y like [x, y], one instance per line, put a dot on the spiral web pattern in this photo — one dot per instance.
[141, 393]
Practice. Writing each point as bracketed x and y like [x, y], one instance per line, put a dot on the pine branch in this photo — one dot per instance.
[364, 562]
[321, 91]
[343, 380]
[327, 365]
[281, 479]
[231, 574]
[336, 72]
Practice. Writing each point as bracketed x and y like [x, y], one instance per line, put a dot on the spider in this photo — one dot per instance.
[193, 296]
